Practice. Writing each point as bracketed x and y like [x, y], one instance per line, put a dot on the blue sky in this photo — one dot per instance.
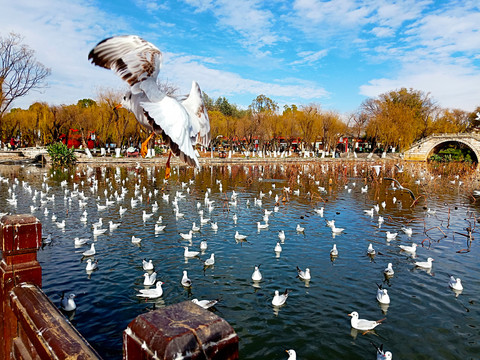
[333, 53]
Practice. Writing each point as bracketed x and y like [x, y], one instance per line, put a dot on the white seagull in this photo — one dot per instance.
[190, 254]
[90, 252]
[304, 275]
[362, 324]
[181, 123]
[292, 355]
[278, 248]
[185, 280]
[187, 236]
[281, 235]
[149, 279]
[257, 275]
[205, 303]
[210, 261]
[410, 249]
[152, 293]
[68, 303]
[382, 295]
[425, 264]
[391, 236]
[408, 231]
[370, 250]
[334, 251]
[91, 265]
[279, 299]
[381, 355]
[455, 283]
[239, 236]
[136, 240]
[80, 242]
[147, 265]
[389, 270]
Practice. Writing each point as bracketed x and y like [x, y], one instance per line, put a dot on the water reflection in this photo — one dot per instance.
[245, 303]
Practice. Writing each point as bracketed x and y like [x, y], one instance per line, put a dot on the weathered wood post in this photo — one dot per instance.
[180, 331]
[20, 238]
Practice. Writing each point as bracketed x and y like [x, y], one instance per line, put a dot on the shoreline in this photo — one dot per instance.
[27, 156]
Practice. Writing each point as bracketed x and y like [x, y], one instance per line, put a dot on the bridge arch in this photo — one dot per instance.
[421, 150]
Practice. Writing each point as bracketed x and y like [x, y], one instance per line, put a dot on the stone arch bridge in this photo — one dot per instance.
[421, 150]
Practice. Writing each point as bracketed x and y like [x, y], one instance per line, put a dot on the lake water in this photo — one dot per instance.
[425, 320]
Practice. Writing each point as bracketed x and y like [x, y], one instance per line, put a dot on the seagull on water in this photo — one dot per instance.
[278, 248]
[68, 303]
[362, 324]
[391, 236]
[149, 279]
[90, 252]
[210, 261]
[410, 249]
[304, 275]
[299, 228]
[281, 235]
[152, 293]
[370, 250]
[190, 254]
[389, 270]
[80, 242]
[185, 280]
[187, 236]
[239, 236]
[279, 299]
[292, 355]
[334, 251]
[203, 245]
[205, 303]
[408, 231]
[381, 355]
[136, 240]
[382, 295]
[257, 275]
[91, 265]
[455, 283]
[336, 230]
[424, 264]
[181, 123]
[319, 211]
[147, 265]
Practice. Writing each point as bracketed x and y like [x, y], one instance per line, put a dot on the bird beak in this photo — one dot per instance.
[349, 314]
[117, 106]
[286, 351]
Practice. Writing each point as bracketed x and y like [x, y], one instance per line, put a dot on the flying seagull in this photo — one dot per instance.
[182, 123]
[401, 187]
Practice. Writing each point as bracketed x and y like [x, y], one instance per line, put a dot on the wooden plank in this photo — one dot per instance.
[47, 329]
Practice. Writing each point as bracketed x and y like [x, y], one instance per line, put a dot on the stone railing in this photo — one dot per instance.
[32, 327]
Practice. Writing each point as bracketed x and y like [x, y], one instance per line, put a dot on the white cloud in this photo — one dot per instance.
[253, 24]
[183, 69]
[383, 31]
[452, 86]
[310, 57]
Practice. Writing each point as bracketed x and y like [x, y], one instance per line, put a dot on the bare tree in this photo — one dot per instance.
[19, 71]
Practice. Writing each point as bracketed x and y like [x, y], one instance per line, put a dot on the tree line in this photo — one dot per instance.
[396, 118]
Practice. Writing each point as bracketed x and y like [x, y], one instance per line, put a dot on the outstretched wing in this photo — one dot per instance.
[198, 115]
[133, 59]
[170, 119]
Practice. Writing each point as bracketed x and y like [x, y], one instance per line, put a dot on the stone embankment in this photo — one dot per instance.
[39, 155]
